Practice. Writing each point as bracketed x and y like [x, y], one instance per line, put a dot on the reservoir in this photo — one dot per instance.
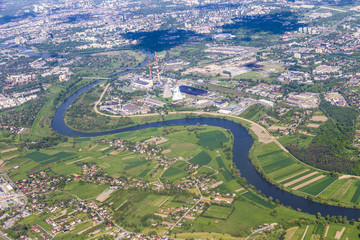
[192, 91]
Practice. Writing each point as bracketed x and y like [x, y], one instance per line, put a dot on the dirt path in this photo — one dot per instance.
[93, 147]
[326, 231]
[291, 232]
[294, 176]
[308, 182]
[98, 101]
[78, 160]
[121, 205]
[9, 150]
[299, 179]
[349, 176]
[340, 233]
[164, 201]
[306, 229]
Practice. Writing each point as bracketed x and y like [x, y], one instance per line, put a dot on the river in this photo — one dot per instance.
[242, 144]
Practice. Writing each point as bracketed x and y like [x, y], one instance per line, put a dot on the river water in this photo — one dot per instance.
[242, 144]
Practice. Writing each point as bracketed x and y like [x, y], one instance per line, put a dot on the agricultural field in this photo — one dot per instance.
[45, 159]
[175, 172]
[203, 158]
[85, 190]
[345, 190]
[253, 197]
[320, 231]
[245, 215]
[285, 170]
[219, 212]
[213, 139]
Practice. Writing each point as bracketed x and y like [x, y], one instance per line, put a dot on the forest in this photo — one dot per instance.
[23, 116]
[80, 115]
[331, 148]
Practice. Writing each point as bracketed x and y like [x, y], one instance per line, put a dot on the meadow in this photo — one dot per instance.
[218, 212]
[85, 190]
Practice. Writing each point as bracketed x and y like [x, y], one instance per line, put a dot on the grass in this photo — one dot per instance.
[130, 164]
[203, 158]
[212, 139]
[246, 215]
[175, 172]
[85, 190]
[38, 156]
[44, 158]
[27, 167]
[82, 139]
[309, 233]
[272, 158]
[303, 141]
[225, 172]
[64, 169]
[139, 205]
[319, 229]
[296, 177]
[252, 197]
[254, 112]
[346, 190]
[286, 172]
[205, 235]
[220, 212]
[316, 187]
[275, 160]
[356, 195]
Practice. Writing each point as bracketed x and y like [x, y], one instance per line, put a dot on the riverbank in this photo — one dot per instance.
[296, 177]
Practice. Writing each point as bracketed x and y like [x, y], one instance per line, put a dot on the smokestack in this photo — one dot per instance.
[157, 67]
[149, 67]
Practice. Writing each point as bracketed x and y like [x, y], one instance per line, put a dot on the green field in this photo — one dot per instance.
[175, 172]
[275, 160]
[203, 158]
[252, 197]
[346, 190]
[287, 172]
[213, 139]
[44, 158]
[130, 164]
[225, 172]
[316, 187]
[65, 169]
[220, 212]
[85, 190]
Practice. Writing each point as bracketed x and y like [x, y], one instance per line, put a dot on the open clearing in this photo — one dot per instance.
[262, 136]
[220, 212]
[85, 190]
[313, 125]
[104, 195]
[319, 118]
[275, 128]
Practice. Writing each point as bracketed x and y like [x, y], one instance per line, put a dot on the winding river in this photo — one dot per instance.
[242, 144]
